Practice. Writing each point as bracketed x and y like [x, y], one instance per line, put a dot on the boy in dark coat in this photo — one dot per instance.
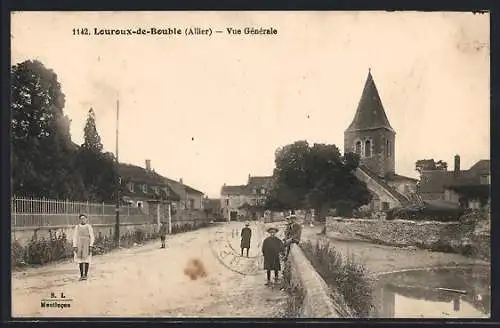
[246, 235]
[271, 249]
[163, 234]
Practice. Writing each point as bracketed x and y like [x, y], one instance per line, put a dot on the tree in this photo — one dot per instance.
[430, 165]
[91, 136]
[316, 177]
[99, 170]
[43, 154]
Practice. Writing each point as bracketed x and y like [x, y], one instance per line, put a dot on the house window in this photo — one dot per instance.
[140, 204]
[145, 188]
[191, 204]
[485, 179]
[357, 148]
[368, 148]
[263, 191]
[388, 148]
[130, 187]
[156, 190]
[385, 206]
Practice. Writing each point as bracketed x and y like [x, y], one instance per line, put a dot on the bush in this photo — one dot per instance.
[344, 275]
[44, 251]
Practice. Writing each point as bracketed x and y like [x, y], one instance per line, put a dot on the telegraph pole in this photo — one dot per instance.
[118, 193]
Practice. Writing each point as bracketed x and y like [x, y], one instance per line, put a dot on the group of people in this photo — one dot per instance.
[273, 248]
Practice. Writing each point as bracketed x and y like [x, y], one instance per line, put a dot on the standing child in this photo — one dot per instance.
[163, 234]
[271, 249]
[83, 241]
[246, 236]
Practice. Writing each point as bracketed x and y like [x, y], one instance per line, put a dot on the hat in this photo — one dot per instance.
[82, 215]
[272, 229]
[247, 224]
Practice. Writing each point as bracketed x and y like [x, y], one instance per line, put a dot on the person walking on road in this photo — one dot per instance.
[293, 233]
[271, 249]
[83, 242]
[163, 234]
[246, 236]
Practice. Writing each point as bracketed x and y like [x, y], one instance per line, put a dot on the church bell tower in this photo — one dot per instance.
[370, 134]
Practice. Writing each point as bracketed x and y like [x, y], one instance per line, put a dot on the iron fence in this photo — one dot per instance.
[32, 212]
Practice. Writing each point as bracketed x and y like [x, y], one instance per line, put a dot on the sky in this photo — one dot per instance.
[213, 109]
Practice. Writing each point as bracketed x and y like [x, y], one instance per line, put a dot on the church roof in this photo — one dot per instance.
[370, 113]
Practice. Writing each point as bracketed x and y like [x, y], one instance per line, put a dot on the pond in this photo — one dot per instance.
[463, 292]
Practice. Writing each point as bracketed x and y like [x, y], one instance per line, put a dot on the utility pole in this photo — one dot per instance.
[118, 194]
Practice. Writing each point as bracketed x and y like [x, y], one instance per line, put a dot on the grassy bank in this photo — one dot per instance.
[295, 294]
[346, 276]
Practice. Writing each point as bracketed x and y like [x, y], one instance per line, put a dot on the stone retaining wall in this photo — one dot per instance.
[403, 233]
[317, 302]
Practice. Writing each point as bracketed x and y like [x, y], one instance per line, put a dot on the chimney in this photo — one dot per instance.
[180, 181]
[457, 164]
[148, 164]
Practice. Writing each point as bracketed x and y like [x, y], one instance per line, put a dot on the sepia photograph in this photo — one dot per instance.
[250, 164]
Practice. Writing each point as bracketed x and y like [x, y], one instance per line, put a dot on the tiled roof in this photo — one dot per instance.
[397, 177]
[481, 167]
[437, 181]
[139, 175]
[234, 190]
[400, 197]
[257, 182]
[370, 113]
[180, 188]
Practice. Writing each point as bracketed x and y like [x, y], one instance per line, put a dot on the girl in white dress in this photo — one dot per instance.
[83, 241]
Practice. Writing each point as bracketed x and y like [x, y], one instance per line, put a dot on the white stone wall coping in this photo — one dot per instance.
[317, 302]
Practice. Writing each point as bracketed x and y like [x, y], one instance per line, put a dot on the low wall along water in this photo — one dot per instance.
[457, 237]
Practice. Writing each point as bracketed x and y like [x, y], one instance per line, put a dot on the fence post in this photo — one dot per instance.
[14, 210]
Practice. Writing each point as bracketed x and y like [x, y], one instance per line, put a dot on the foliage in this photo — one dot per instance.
[45, 162]
[43, 156]
[295, 294]
[316, 177]
[430, 165]
[425, 213]
[344, 275]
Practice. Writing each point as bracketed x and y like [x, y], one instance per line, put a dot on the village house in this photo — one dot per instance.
[238, 200]
[190, 198]
[467, 188]
[371, 136]
[143, 187]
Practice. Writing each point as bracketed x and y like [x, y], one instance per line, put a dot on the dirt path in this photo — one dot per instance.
[148, 281]
[380, 259]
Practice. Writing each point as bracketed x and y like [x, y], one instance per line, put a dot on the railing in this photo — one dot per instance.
[31, 212]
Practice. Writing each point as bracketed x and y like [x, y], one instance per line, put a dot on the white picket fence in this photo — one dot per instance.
[32, 212]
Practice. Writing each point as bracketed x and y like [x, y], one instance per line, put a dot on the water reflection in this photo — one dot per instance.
[438, 293]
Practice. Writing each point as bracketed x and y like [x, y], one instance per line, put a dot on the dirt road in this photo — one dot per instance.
[148, 281]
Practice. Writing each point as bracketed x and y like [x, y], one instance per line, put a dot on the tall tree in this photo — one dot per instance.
[99, 169]
[43, 154]
[92, 140]
[316, 177]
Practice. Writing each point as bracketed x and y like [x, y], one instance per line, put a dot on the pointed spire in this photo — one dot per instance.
[370, 113]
